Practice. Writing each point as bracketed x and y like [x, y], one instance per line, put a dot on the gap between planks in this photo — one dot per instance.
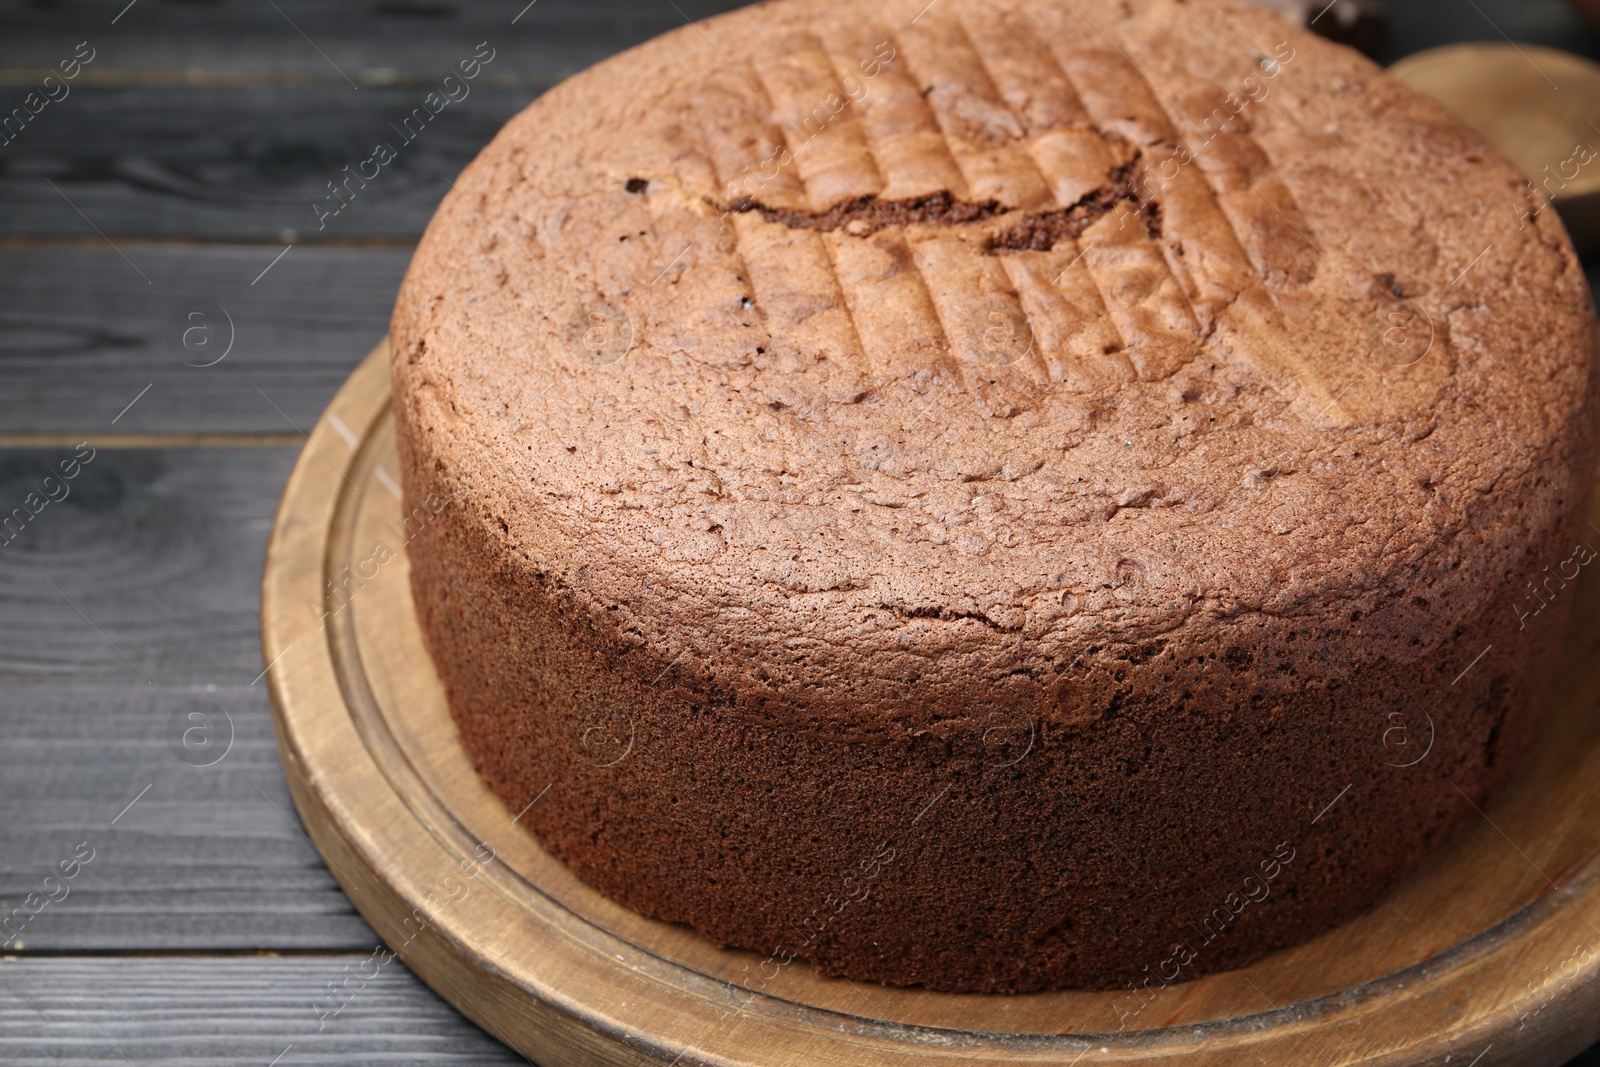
[129, 441]
[47, 244]
[376, 77]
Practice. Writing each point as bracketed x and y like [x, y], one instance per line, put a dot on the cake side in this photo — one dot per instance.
[1058, 618]
[1019, 854]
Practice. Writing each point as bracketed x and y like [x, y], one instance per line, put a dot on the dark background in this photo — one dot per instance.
[172, 178]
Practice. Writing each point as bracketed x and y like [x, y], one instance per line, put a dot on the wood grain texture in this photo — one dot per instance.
[144, 571]
[242, 164]
[241, 1011]
[208, 858]
[244, 1011]
[82, 333]
[159, 551]
[367, 42]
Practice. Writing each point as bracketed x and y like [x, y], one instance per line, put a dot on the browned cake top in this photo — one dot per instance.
[825, 339]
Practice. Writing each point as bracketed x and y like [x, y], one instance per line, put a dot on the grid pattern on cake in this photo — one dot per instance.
[1019, 127]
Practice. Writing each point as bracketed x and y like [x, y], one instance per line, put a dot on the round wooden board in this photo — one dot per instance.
[1540, 106]
[1489, 954]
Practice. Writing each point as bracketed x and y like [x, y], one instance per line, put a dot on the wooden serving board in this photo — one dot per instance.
[1488, 954]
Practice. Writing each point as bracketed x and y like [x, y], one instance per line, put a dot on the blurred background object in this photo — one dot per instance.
[1361, 24]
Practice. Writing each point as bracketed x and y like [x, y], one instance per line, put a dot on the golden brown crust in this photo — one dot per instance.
[835, 397]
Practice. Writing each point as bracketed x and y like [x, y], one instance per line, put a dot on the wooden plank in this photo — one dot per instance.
[248, 1011]
[543, 41]
[240, 1011]
[144, 574]
[82, 334]
[243, 164]
[209, 856]
[125, 607]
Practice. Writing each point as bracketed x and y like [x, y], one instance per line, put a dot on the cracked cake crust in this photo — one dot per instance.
[1043, 443]
[1022, 231]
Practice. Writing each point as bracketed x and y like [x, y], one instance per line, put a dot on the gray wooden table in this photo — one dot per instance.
[172, 173]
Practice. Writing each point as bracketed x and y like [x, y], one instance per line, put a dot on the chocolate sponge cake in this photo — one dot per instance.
[994, 495]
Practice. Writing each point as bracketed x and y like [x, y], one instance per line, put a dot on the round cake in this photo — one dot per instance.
[994, 496]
